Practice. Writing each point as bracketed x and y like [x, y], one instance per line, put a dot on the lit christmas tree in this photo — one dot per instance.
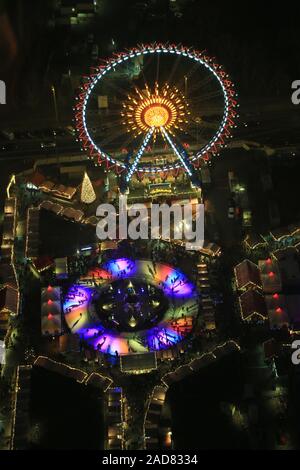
[88, 195]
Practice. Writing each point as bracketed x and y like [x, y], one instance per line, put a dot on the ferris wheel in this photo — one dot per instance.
[155, 109]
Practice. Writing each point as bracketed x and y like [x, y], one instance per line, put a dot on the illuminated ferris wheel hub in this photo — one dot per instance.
[165, 108]
[168, 109]
[156, 115]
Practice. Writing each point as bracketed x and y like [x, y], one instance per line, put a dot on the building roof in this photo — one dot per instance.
[270, 276]
[36, 179]
[20, 414]
[109, 245]
[73, 214]
[210, 249]
[4, 324]
[7, 252]
[277, 311]
[43, 262]
[253, 305]
[93, 220]
[247, 275]
[138, 363]
[8, 275]
[47, 186]
[65, 192]
[51, 312]
[202, 361]
[159, 395]
[254, 241]
[51, 206]
[99, 381]
[60, 368]
[51, 293]
[295, 229]
[10, 206]
[9, 301]
[9, 222]
[61, 267]
[8, 228]
[32, 237]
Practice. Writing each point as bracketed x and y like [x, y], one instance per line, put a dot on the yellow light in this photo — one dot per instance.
[156, 116]
[132, 322]
[164, 107]
[12, 181]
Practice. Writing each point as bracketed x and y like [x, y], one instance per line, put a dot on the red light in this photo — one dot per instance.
[49, 289]
[279, 310]
[50, 316]
[271, 274]
[276, 296]
[269, 261]
[49, 302]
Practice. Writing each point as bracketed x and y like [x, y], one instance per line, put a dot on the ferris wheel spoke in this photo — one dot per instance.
[144, 69]
[173, 70]
[157, 68]
[144, 104]
[211, 96]
[116, 88]
[203, 83]
[178, 152]
[139, 154]
[113, 137]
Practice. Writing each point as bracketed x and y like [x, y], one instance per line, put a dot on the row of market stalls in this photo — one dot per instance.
[94, 379]
[140, 180]
[32, 233]
[76, 215]
[69, 213]
[58, 190]
[51, 307]
[9, 285]
[21, 409]
[33, 224]
[157, 427]
[269, 290]
[21, 419]
[36, 181]
[205, 359]
[51, 311]
[114, 419]
[207, 305]
[279, 238]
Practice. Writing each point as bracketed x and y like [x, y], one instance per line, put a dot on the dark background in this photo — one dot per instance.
[258, 42]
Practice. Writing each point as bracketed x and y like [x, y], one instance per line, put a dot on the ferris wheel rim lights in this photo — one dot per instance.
[211, 148]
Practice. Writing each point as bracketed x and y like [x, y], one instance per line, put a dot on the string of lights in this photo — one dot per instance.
[176, 151]
[162, 107]
[139, 154]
